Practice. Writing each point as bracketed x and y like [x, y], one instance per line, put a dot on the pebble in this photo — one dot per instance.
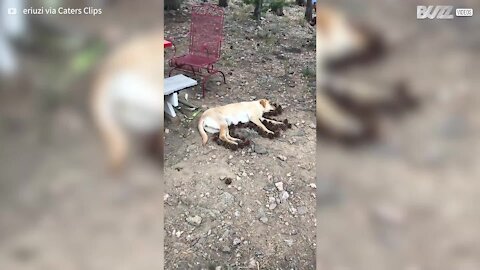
[272, 206]
[237, 241]
[279, 186]
[282, 158]
[302, 210]
[195, 220]
[227, 198]
[284, 196]
[260, 149]
[264, 219]
[289, 242]
[252, 264]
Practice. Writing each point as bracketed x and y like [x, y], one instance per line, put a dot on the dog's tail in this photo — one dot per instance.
[202, 130]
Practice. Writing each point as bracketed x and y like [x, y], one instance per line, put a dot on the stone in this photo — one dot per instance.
[260, 149]
[284, 196]
[195, 220]
[272, 206]
[237, 241]
[302, 210]
[279, 186]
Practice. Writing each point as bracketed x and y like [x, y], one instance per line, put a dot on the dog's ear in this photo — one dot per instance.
[263, 102]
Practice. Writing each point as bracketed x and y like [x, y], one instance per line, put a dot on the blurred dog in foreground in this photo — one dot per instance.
[127, 99]
[342, 44]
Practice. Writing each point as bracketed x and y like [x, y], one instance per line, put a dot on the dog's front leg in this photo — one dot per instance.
[260, 124]
[271, 121]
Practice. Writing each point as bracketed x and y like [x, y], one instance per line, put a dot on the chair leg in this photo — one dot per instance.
[223, 75]
[204, 80]
[170, 72]
[169, 109]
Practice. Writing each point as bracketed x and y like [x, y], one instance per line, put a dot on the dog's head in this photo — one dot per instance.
[343, 41]
[267, 107]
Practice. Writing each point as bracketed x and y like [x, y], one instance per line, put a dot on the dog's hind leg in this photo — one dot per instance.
[224, 135]
[232, 138]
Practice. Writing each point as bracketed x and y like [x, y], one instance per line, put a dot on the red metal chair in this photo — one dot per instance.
[206, 36]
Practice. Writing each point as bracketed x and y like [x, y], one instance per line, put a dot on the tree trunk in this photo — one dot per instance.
[223, 3]
[172, 4]
[309, 11]
[257, 13]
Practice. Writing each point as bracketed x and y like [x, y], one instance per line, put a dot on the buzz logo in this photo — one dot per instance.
[434, 12]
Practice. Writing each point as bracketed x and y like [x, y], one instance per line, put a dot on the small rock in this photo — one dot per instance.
[279, 186]
[195, 220]
[227, 198]
[260, 149]
[272, 206]
[282, 158]
[264, 219]
[302, 210]
[237, 241]
[252, 264]
[226, 249]
[284, 196]
[312, 185]
[289, 242]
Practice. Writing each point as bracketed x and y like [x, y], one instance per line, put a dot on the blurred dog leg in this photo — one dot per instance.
[329, 115]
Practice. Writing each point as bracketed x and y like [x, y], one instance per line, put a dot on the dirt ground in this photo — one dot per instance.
[251, 223]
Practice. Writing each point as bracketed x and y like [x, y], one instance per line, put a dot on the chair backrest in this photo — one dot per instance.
[206, 30]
